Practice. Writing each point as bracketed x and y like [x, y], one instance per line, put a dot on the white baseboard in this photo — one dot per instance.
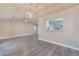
[15, 36]
[60, 44]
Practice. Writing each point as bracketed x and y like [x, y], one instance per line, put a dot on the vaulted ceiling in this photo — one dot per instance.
[37, 8]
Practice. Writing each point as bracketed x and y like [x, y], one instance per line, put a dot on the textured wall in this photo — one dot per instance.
[70, 35]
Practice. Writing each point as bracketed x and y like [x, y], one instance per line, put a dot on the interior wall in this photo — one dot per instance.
[70, 35]
[10, 28]
[12, 22]
[11, 11]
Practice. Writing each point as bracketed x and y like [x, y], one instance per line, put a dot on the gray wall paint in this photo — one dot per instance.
[70, 35]
[9, 28]
[12, 21]
[11, 11]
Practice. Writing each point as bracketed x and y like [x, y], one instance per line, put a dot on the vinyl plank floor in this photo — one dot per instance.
[31, 46]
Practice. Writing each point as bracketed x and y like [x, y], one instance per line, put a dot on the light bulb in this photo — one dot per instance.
[25, 21]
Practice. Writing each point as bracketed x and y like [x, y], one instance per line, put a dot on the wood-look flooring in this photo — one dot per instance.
[31, 46]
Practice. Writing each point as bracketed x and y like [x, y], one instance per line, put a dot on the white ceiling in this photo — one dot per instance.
[36, 8]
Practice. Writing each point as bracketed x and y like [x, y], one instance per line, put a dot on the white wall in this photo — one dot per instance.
[70, 36]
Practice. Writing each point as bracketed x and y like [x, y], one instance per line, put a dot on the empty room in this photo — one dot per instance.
[39, 29]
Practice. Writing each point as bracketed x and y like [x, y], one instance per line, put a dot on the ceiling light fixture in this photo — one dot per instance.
[28, 14]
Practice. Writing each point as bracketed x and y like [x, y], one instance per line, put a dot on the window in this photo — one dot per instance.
[55, 25]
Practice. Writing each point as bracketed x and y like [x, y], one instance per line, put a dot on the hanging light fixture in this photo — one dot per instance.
[28, 14]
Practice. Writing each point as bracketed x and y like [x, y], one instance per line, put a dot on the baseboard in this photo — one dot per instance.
[15, 36]
[67, 46]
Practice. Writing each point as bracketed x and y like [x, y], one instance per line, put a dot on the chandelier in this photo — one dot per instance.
[28, 15]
